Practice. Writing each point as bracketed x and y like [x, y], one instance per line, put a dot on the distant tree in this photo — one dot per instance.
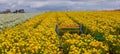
[0, 12]
[21, 11]
[7, 11]
[16, 11]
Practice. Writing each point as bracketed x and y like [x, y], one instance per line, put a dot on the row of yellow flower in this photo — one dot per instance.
[105, 24]
[38, 35]
[83, 44]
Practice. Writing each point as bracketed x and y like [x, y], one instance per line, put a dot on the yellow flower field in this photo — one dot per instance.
[38, 35]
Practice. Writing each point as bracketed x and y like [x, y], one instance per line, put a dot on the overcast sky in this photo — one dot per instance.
[58, 5]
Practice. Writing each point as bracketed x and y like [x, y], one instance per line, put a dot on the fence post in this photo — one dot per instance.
[80, 29]
[56, 29]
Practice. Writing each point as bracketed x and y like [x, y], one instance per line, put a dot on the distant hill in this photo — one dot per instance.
[117, 10]
[111, 10]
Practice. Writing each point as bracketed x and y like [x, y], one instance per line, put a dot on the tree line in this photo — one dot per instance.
[9, 11]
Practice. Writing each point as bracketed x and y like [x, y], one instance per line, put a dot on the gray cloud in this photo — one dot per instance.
[56, 5]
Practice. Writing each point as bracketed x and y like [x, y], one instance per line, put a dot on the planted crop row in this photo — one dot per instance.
[38, 35]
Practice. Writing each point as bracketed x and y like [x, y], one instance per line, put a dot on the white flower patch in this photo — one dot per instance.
[9, 20]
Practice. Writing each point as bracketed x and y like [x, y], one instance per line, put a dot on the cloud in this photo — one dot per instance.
[56, 5]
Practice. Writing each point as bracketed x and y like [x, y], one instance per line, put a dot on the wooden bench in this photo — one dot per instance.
[71, 28]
